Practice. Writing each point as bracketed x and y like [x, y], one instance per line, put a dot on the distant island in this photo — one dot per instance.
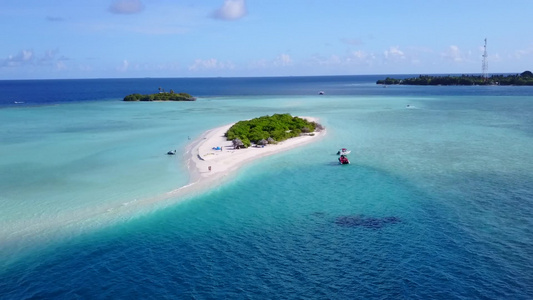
[269, 130]
[525, 78]
[161, 96]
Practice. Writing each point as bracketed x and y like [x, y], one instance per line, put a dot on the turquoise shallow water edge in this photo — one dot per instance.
[437, 202]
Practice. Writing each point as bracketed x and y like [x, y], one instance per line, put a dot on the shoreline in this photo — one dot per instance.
[208, 165]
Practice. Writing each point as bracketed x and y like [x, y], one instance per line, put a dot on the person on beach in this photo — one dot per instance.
[209, 168]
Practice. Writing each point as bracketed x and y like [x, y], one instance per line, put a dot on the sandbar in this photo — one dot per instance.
[206, 164]
[199, 156]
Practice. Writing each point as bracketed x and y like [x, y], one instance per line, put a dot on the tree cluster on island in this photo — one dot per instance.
[525, 78]
[269, 130]
[161, 96]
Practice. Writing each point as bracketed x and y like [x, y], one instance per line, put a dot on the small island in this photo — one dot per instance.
[161, 96]
[269, 130]
[216, 153]
[525, 78]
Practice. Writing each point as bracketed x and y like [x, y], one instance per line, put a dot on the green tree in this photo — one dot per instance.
[275, 128]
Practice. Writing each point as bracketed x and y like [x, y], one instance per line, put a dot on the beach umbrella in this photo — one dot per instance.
[262, 142]
[271, 140]
[237, 143]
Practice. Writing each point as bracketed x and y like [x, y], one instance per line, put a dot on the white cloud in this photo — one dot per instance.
[453, 54]
[49, 58]
[333, 60]
[126, 7]
[231, 10]
[210, 64]
[394, 53]
[27, 60]
[22, 58]
[353, 58]
[280, 61]
[27, 55]
[495, 58]
[523, 52]
[124, 66]
[60, 65]
[359, 56]
[283, 60]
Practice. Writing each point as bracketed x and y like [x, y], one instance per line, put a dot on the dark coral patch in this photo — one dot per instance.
[367, 222]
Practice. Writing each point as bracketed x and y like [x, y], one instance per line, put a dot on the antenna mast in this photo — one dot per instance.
[485, 64]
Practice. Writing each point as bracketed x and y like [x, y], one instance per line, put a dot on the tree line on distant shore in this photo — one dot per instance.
[161, 96]
[525, 78]
[269, 130]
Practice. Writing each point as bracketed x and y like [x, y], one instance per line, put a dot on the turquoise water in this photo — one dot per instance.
[85, 209]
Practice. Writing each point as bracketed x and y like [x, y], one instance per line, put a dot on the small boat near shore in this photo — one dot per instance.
[343, 151]
[171, 152]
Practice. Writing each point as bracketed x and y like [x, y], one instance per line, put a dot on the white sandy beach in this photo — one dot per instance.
[202, 156]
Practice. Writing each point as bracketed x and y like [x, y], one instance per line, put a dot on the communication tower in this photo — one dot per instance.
[485, 64]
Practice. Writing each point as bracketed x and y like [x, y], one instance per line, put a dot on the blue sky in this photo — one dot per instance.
[46, 39]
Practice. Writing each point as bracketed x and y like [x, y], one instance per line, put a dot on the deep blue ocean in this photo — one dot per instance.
[437, 202]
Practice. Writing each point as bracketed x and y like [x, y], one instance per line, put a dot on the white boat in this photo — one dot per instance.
[343, 151]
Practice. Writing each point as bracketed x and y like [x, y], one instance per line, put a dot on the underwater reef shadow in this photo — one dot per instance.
[366, 222]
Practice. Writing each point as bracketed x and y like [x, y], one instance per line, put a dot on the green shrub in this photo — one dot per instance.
[278, 127]
[160, 97]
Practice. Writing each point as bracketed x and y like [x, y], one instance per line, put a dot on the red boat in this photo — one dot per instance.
[343, 160]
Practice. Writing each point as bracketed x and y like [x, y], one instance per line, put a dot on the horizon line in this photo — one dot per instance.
[271, 76]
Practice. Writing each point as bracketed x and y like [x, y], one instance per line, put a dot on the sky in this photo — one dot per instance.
[65, 39]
